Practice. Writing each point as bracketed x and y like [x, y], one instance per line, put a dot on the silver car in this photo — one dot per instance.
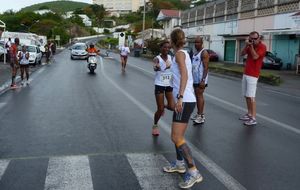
[78, 51]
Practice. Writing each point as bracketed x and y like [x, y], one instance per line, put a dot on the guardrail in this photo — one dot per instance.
[88, 37]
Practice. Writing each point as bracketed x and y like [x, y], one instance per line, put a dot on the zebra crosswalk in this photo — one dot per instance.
[126, 171]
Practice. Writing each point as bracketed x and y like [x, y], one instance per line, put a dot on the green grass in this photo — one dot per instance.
[57, 6]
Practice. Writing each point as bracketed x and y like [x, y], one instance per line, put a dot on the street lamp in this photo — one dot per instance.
[29, 27]
[143, 35]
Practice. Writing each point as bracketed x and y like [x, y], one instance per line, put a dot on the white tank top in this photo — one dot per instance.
[163, 77]
[198, 68]
[24, 60]
[188, 95]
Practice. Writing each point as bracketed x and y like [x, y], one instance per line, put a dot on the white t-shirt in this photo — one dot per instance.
[163, 77]
[124, 51]
[188, 95]
[23, 59]
[198, 68]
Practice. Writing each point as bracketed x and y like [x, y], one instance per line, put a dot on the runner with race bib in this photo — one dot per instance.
[163, 77]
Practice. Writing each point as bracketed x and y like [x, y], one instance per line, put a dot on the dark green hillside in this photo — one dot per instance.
[60, 6]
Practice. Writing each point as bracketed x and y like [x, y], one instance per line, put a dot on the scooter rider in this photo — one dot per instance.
[92, 49]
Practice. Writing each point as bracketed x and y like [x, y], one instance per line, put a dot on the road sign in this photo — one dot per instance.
[121, 39]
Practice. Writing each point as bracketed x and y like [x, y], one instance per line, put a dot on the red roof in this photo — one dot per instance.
[170, 13]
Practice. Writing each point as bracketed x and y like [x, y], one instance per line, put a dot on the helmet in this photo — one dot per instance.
[92, 45]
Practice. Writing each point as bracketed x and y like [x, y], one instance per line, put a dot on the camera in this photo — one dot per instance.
[251, 41]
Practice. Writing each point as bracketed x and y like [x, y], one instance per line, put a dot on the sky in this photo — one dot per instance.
[16, 5]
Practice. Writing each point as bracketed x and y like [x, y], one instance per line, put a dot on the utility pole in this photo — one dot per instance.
[143, 35]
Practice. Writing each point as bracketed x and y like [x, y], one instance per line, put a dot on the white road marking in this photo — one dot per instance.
[2, 104]
[228, 181]
[278, 123]
[285, 94]
[148, 170]
[3, 166]
[69, 173]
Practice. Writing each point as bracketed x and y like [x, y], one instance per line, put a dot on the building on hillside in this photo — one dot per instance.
[85, 19]
[117, 7]
[42, 12]
[225, 24]
[170, 19]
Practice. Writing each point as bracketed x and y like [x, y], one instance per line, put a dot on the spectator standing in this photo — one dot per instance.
[14, 64]
[200, 76]
[255, 51]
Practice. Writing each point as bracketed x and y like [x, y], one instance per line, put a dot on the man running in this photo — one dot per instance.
[124, 51]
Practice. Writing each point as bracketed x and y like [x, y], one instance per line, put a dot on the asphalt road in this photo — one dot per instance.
[73, 130]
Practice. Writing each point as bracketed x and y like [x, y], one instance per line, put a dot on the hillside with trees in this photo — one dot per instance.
[62, 6]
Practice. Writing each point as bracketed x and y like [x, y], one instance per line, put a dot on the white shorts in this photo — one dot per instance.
[249, 84]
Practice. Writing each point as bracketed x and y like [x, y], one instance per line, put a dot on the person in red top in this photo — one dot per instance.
[255, 51]
[14, 64]
[92, 49]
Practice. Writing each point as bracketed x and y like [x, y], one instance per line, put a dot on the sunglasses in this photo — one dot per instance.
[254, 38]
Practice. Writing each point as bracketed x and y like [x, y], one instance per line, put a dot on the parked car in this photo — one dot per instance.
[35, 54]
[2, 52]
[78, 51]
[271, 61]
[213, 56]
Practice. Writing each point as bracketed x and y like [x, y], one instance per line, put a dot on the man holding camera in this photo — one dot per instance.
[255, 51]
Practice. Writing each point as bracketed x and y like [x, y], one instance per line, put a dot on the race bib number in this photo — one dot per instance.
[165, 78]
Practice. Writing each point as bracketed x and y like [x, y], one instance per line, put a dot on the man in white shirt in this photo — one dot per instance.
[124, 51]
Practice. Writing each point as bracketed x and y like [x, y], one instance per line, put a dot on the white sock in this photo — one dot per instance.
[193, 172]
[179, 162]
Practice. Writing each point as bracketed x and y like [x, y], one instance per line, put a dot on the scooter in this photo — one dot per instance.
[92, 62]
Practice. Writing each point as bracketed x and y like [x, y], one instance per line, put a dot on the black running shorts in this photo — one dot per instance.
[162, 89]
[184, 116]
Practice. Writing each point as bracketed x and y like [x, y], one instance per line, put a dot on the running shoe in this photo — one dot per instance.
[245, 117]
[173, 167]
[195, 116]
[27, 82]
[189, 180]
[200, 119]
[22, 82]
[155, 130]
[250, 122]
[13, 86]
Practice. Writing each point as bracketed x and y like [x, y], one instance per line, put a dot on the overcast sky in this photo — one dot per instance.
[16, 5]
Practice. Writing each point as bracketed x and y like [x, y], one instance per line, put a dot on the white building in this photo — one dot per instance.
[42, 12]
[169, 19]
[120, 6]
[86, 20]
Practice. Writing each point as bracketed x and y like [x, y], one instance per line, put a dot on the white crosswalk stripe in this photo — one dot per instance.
[74, 172]
[148, 170]
[3, 166]
[69, 173]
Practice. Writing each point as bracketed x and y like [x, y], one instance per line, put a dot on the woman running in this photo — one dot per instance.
[162, 65]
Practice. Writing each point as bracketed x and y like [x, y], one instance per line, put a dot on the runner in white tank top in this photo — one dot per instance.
[183, 93]
[23, 57]
[162, 65]
[200, 76]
